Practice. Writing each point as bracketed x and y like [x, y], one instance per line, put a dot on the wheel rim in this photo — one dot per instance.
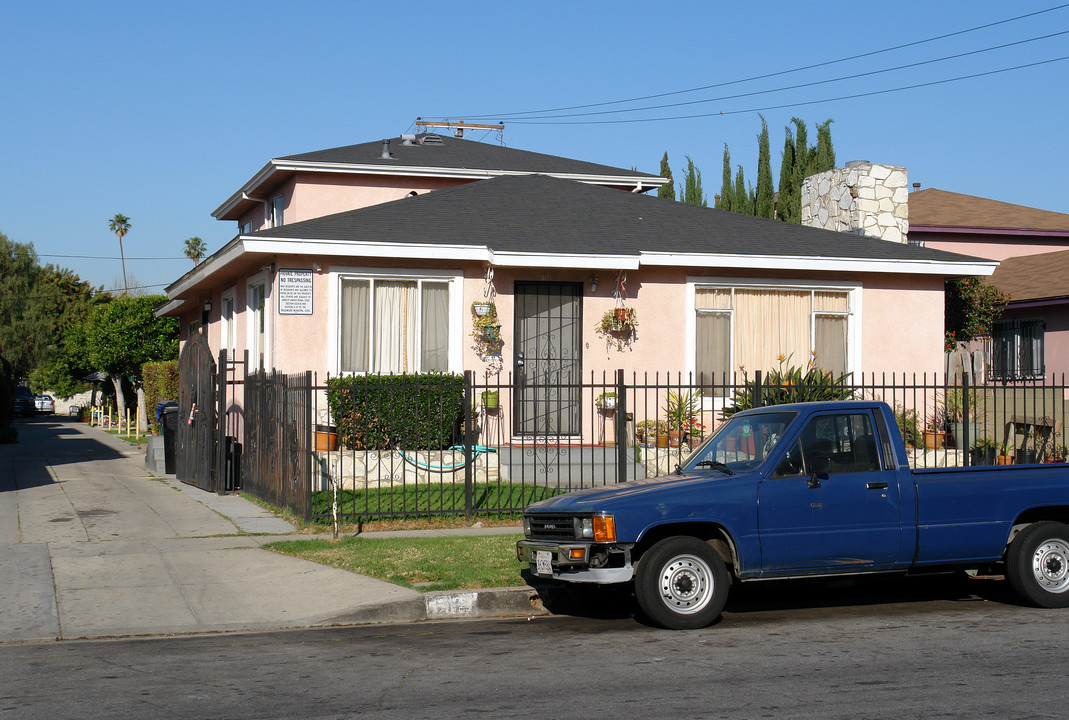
[686, 584]
[1050, 566]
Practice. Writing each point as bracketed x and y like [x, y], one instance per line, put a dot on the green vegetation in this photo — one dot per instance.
[790, 384]
[381, 412]
[425, 501]
[426, 564]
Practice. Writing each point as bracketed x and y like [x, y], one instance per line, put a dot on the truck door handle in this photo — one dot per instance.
[876, 486]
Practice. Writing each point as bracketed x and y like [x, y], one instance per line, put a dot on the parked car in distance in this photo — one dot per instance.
[24, 402]
[46, 404]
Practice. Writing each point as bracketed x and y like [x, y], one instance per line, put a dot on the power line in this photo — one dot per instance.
[769, 75]
[105, 257]
[803, 85]
[794, 104]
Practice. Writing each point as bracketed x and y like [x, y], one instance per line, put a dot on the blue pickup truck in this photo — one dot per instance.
[805, 490]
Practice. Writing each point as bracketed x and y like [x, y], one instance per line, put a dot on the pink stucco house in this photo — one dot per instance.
[1031, 340]
[368, 259]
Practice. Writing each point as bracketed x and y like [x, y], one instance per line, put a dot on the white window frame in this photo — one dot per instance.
[278, 210]
[228, 326]
[454, 279]
[853, 322]
[251, 317]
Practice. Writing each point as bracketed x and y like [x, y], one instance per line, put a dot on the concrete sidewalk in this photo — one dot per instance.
[93, 545]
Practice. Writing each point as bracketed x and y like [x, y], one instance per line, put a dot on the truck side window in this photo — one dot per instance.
[847, 440]
[791, 464]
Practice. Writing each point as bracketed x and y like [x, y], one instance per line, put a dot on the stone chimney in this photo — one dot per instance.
[862, 198]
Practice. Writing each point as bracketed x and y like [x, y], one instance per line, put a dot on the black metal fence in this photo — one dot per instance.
[473, 459]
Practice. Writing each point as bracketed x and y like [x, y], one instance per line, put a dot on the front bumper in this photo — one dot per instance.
[580, 562]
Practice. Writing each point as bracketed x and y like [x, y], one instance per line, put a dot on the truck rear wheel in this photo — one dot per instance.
[681, 583]
[1037, 564]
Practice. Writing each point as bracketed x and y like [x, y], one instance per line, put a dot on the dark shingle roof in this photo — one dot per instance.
[460, 154]
[539, 214]
[1034, 277]
[940, 208]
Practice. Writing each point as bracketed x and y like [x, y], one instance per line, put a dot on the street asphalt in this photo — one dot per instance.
[94, 545]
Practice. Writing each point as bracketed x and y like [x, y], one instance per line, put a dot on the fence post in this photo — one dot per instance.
[621, 427]
[965, 412]
[758, 400]
[219, 474]
[469, 442]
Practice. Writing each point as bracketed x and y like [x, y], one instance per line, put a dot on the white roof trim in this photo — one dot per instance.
[808, 262]
[642, 182]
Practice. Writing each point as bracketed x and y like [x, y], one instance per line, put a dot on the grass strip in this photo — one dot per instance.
[427, 500]
[424, 564]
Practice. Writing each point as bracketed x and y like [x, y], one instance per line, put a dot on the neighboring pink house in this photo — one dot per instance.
[1031, 340]
[369, 263]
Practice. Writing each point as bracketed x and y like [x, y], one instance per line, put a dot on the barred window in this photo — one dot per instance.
[1017, 349]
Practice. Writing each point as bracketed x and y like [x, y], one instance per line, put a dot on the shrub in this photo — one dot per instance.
[381, 412]
[790, 385]
[906, 418]
[161, 383]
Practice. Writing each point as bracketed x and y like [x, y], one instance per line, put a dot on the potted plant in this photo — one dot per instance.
[606, 401]
[326, 438]
[619, 322]
[647, 431]
[983, 452]
[1026, 453]
[955, 415]
[486, 330]
[935, 434]
[490, 400]
[695, 432]
[1003, 458]
[679, 410]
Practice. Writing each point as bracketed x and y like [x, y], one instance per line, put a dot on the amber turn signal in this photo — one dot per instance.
[604, 529]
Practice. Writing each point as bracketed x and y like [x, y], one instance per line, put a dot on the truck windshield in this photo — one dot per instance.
[743, 443]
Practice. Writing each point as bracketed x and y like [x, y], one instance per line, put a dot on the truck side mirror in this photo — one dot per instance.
[819, 465]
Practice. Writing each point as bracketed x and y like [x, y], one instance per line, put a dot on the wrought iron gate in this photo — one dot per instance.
[196, 437]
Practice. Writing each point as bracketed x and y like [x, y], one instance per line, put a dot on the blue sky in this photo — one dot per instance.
[160, 111]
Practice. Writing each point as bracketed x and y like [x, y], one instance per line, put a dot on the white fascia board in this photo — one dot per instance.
[170, 306]
[342, 248]
[827, 264]
[461, 173]
[208, 267]
[565, 260]
[254, 182]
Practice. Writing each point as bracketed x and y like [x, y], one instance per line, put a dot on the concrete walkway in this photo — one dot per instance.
[93, 545]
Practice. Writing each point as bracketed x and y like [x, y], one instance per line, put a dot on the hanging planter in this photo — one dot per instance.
[481, 308]
[486, 330]
[619, 322]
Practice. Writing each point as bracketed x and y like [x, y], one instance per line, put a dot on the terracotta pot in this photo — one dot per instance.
[934, 439]
[1004, 460]
[326, 441]
[673, 438]
[662, 440]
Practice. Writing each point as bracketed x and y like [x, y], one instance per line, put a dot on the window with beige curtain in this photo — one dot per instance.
[750, 328]
[394, 326]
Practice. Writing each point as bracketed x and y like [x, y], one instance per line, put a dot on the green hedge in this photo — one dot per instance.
[161, 383]
[380, 412]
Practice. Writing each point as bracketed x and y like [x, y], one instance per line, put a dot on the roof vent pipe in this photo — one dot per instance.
[408, 139]
[386, 150]
[916, 187]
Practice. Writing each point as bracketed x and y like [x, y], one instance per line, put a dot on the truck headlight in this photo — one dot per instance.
[526, 526]
[600, 528]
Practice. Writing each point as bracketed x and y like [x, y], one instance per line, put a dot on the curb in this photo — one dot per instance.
[521, 601]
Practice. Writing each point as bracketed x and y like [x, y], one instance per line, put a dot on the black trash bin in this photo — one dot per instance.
[167, 412]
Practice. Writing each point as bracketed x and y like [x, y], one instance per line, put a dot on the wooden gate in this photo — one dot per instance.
[196, 437]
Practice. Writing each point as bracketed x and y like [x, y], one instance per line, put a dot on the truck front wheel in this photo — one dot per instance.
[1037, 564]
[681, 583]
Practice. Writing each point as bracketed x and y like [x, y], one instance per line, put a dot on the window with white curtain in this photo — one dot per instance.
[226, 328]
[741, 329]
[256, 296]
[393, 325]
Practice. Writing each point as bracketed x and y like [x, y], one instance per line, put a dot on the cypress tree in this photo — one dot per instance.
[727, 189]
[824, 155]
[743, 202]
[692, 193]
[763, 202]
[667, 190]
[787, 190]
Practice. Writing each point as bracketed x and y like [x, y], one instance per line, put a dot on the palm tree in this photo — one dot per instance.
[120, 225]
[196, 249]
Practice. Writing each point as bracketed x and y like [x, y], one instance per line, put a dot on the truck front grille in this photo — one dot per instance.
[553, 527]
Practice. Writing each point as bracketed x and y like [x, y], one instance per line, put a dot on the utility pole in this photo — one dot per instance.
[458, 127]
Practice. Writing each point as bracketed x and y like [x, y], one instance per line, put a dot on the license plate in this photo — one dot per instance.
[543, 562]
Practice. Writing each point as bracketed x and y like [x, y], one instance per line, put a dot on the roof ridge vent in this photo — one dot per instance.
[431, 139]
